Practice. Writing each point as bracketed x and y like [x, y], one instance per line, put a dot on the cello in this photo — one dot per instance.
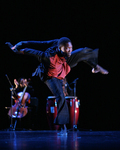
[19, 109]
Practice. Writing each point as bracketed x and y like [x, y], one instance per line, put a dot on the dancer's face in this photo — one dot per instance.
[67, 48]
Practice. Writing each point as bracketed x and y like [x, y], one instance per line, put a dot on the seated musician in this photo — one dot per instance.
[19, 88]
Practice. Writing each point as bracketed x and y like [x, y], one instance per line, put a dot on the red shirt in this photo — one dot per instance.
[58, 67]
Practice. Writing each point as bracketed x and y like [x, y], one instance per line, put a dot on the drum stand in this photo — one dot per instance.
[74, 125]
[12, 93]
[11, 125]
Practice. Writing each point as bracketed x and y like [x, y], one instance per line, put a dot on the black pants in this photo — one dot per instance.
[55, 85]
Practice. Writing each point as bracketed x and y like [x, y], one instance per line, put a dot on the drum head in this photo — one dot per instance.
[51, 97]
[70, 97]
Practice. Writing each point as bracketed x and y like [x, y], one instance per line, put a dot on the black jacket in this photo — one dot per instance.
[49, 49]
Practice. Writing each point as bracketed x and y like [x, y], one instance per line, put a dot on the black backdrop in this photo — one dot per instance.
[91, 24]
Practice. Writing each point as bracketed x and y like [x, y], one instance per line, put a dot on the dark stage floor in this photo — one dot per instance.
[75, 140]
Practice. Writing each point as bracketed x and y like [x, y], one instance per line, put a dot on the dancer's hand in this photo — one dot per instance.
[13, 48]
[99, 69]
[16, 46]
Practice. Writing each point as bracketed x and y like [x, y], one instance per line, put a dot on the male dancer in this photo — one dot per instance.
[55, 63]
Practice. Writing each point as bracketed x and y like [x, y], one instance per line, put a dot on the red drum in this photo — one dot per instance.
[73, 105]
[51, 110]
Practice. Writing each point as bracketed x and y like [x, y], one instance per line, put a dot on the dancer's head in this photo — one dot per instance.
[65, 45]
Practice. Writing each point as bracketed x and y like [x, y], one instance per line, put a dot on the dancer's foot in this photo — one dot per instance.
[99, 69]
[63, 131]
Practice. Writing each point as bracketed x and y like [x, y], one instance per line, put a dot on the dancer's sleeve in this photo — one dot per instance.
[32, 52]
[24, 44]
[40, 42]
[92, 58]
[87, 55]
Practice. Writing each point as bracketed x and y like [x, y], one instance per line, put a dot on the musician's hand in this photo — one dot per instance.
[16, 83]
[25, 82]
[99, 69]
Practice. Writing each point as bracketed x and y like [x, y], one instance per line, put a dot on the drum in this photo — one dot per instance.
[73, 105]
[51, 111]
